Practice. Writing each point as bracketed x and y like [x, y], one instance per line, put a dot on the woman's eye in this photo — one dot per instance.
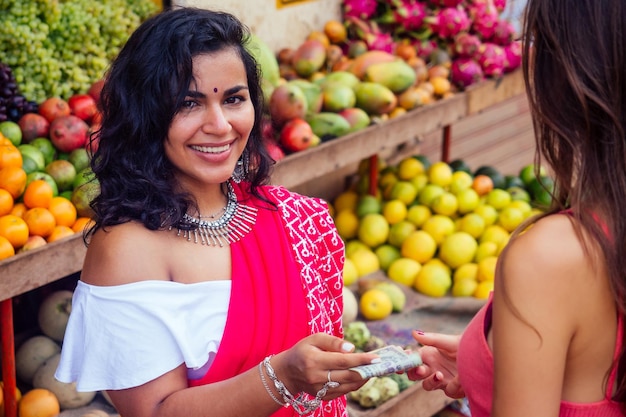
[188, 104]
[235, 100]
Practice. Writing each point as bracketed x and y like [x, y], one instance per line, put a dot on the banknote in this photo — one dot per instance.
[393, 359]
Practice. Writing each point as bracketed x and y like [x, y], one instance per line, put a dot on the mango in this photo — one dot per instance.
[287, 102]
[397, 76]
[358, 118]
[312, 92]
[338, 77]
[328, 125]
[337, 97]
[267, 62]
[362, 62]
[309, 58]
[374, 98]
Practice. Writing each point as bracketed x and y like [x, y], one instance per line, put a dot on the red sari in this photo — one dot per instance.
[286, 285]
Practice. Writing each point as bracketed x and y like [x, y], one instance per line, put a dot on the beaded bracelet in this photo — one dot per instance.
[267, 388]
[300, 406]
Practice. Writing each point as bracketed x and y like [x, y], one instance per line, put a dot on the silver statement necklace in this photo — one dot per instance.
[233, 225]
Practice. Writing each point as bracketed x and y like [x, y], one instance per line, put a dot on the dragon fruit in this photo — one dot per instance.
[424, 47]
[449, 22]
[409, 14]
[484, 17]
[491, 58]
[500, 5]
[466, 45]
[512, 56]
[503, 32]
[362, 9]
[448, 3]
[371, 34]
[465, 72]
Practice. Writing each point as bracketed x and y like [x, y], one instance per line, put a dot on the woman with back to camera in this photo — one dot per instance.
[551, 340]
[205, 291]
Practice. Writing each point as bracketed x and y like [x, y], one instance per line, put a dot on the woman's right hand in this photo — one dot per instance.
[439, 370]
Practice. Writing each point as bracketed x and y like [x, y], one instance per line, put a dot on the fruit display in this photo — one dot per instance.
[436, 228]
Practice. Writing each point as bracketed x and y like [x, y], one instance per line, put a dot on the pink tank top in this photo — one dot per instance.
[475, 367]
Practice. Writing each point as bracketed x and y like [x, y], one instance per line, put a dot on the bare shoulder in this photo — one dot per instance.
[123, 254]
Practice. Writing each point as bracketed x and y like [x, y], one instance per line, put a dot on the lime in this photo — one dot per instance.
[446, 204]
[404, 191]
[47, 148]
[466, 271]
[63, 173]
[433, 280]
[473, 224]
[368, 204]
[33, 158]
[440, 174]
[387, 253]
[461, 180]
[347, 224]
[398, 232]
[488, 213]
[495, 233]
[404, 271]
[498, 198]
[429, 193]
[510, 217]
[521, 205]
[419, 245]
[529, 173]
[457, 249]
[518, 194]
[83, 177]
[438, 227]
[467, 200]
[373, 230]
[350, 273]
[11, 131]
[365, 261]
[439, 263]
[419, 181]
[409, 168]
[418, 214]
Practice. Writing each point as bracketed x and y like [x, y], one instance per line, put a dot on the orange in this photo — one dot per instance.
[19, 209]
[10, 156]
[6, 250]
[38, 194]
[14, 229]
[6, 202]
[13, 179]
[63, 210]
[60, 232]
[39, 402]
[335, 31]
[375, 304]
[40, 221]
[482, 184]
[81, 223]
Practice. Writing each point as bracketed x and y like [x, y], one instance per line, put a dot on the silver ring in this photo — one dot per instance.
[331, 383]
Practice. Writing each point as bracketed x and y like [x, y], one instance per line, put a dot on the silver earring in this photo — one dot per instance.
[241, 169]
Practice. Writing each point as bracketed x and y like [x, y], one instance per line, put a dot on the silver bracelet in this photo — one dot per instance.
[267, 388]
[300, 405]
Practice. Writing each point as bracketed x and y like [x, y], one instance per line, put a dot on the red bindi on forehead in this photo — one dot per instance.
[215, 89]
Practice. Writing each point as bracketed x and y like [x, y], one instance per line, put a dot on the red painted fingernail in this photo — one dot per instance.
[436, 378]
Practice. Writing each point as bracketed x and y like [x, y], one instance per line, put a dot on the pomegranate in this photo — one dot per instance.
[296, 135]
[274, 150]
[83, 106]
[33, 126]
[68, 133]
[95, 89]
[54, 107]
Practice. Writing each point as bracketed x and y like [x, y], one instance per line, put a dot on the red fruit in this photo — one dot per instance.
[296, 135]
[83, 106]
[274, 151]
[95, 89]
[33, 126]
[54, 107]
[68, 133]
[287, 102]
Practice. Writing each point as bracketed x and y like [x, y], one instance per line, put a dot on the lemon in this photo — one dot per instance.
[523, 206]
[365, 261]
[368, 204]
[404, 271]
[409, 168]
[487, 269]
[495, 233]
[461, 181]
[419, 181]
[350, 273]
[438, 262]
[399, 232]
[433, 280]
[418, 214]
[467, 200]
[373, 230]
[485, 249]
[488, 213]
[429, 193]
[354, 245]
[473, 224]
[483, 289]
[510, 218]
[446, 204]
[387, 180]
[438, 226]
[404, 191]
[347, 200]
[386, 255]
[440, 173]
[375, 304]
[498, 198]
[457, 249]
[394, 211]
[468, 271]
[464, 288]
[419, 246]
[347, 224]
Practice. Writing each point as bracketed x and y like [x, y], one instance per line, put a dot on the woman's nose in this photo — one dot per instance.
[216, 121]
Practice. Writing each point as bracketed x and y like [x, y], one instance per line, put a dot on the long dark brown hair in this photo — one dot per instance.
[575, 73]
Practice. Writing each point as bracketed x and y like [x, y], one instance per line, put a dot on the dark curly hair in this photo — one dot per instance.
[144, 89]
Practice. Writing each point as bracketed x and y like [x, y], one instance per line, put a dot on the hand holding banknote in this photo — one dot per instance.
[392, 359]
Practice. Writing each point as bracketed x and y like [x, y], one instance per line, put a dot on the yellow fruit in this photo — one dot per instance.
[347, 224]
[354, 245]
[446, 204]
[428, 193]
[457, 249]
[409, 168]
[373, 230]
[467, 271]
[395, 293]
[473, 224]
[438, 226]
[375, 304]
[418, 214]
[433, 280]
[483, 289]
[368, 204]
[440, 173]
[488, 213]
[346, 200]
[394, 211]
[495, 233]
[438, 262]
[404, 271]
[386, 255]
[510, 218]
[461, 181]
[521, 205]
[464, 288]
[441, 85]
[365, 261]
[399, 232]
[404, 191]
[467, 200]
[350, 272]
[484, 250]
[387, 180]
[420, 246]
[498, 198]
[419, 181]
[487, 269]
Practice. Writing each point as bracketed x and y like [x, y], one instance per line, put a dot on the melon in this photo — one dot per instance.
[54, 313]
[67, 394]
[350, 306]
[31, 354]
